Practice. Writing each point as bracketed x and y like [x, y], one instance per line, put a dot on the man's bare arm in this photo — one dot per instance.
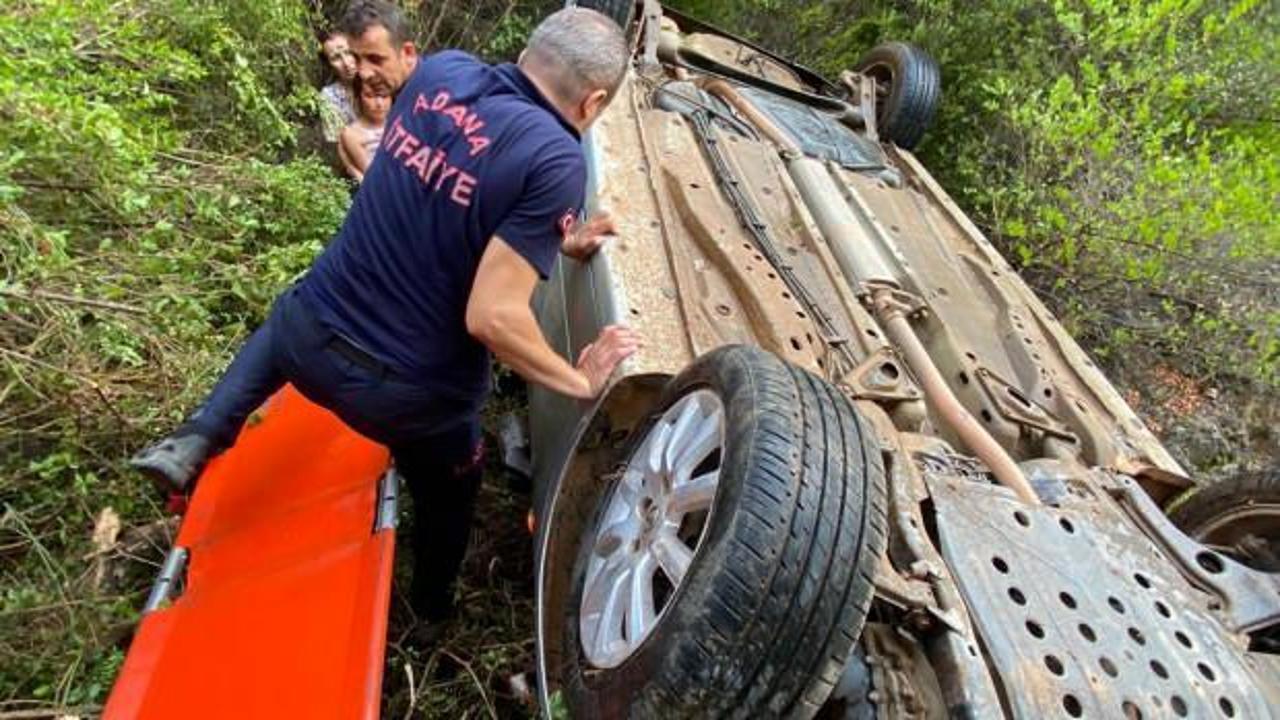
[499, 316]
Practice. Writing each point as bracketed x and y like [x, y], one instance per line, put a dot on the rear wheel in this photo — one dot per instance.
[729, 567]
[1239, 517]
[620, 11]
[908, 86]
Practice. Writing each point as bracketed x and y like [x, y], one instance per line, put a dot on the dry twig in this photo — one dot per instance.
[488, 705]
[413, 691]
[51, 296]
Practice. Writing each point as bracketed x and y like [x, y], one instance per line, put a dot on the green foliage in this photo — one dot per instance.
[508, 36]
[146, 222]
[155, 196]
[492, 29]
[1122, 153]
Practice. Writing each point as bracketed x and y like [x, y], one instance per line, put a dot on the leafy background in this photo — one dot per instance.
[160, 183]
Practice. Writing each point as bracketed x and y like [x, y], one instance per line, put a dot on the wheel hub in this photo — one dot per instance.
[1249, 534]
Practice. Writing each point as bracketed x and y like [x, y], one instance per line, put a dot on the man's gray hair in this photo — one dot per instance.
[364, 14]
[580, 51]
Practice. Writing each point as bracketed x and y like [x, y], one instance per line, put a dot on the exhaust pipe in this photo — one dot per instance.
[893, 319]
[865, 266]
[856, 252]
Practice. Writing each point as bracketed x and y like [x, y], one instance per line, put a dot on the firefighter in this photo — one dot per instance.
[476, 186]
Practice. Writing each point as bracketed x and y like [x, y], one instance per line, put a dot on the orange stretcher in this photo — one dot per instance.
[273, 601]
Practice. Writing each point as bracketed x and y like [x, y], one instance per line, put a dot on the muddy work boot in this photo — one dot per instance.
[174, 463]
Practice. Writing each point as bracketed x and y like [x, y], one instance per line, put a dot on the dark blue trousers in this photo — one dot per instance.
[434, 439]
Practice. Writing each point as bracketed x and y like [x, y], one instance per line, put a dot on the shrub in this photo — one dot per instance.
[145, 224]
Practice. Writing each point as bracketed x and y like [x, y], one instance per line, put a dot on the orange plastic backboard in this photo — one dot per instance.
[283, 612]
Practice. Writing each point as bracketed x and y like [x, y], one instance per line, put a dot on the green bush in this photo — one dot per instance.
[146, 222]
[155, 196]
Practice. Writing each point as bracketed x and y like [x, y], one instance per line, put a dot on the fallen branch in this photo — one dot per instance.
[53, 712]
[413, 692]
[72, 300]
[90, 382]
[476, 678]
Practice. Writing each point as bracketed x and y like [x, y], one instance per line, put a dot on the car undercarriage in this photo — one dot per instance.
[843, 379]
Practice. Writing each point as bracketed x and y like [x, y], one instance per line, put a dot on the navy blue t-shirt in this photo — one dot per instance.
[470, 151]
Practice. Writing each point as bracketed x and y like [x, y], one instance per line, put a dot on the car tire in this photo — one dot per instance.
[1240, 515]
[780, 578]
[910, 87]
[620, 11]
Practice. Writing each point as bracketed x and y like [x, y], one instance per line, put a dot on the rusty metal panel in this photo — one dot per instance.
[728, 292]
[736, 55]
[1034, 344]
[818, 134]
[636, 263]
[1082, 616]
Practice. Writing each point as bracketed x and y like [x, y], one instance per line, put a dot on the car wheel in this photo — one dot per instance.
[908, 86]
[620, 11]
[730, 564]
[1239, 516]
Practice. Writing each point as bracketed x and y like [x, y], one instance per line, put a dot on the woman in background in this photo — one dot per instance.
[359, 140]
[337, 108]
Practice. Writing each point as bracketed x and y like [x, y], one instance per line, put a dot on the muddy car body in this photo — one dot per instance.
[976, 472]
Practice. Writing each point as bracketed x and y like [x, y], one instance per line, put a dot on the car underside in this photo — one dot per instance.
[859, 469]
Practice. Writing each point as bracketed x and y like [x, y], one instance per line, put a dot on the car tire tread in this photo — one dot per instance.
[764, 627]
[914, 94]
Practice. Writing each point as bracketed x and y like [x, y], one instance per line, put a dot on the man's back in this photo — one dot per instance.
[470, 151]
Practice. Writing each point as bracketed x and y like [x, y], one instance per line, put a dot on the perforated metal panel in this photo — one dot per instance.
[1083, 617]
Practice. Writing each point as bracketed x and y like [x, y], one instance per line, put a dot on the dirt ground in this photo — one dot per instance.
[1214, 431]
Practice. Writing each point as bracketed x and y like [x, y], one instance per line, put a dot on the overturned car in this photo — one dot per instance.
[859, 469]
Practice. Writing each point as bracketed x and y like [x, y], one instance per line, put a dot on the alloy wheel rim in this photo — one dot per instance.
[652, 527]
